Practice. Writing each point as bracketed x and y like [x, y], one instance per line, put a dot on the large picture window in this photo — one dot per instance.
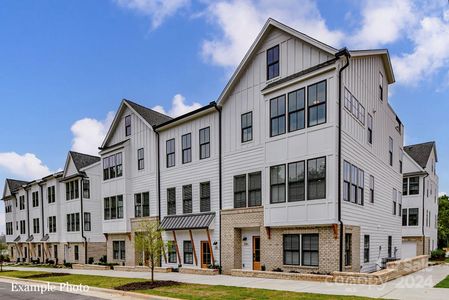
[316, 178]
[73, 222]
[277, 116]
[112, 166]
[113, 207]
[273, 62]
[296, 110]
[277, 184]
[296, 184]
[316, 103]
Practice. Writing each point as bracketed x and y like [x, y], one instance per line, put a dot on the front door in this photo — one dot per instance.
[256, 253]
[205, 255]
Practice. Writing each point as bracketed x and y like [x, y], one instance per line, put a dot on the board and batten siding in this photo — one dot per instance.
[375, 219]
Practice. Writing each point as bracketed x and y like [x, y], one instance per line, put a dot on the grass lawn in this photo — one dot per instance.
[443, 283]
[182, 291]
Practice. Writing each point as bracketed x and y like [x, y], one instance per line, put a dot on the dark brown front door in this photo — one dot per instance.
[205, 255]
[256, 253]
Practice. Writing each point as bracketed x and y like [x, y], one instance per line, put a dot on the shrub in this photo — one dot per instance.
[277, 270]
[438, 254]
[68, 265]
[214, 267]
[91, 260]
[103, 259]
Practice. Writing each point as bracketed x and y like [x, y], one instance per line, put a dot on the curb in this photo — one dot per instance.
[133, 295]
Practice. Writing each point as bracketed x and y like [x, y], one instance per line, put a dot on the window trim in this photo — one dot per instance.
[168, 154]
[205, 206]
[128, 125]
[187, 253]
[303, 162]
[278, 116]
[317, 104]
[366, 248]
[325, 177]
[185, 149]
[207, 155]
[242, 130]
[239, 192]
[278, 184]
[140, 159]
[186, 200]
[169, 202]
[273, 62]
[296, 111]
[257, 173]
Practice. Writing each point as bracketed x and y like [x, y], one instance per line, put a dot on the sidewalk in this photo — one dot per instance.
[418, 285]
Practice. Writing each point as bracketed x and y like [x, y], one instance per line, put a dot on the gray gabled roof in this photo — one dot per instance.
[14, 184]
[192, 221]
[153, 117]
[420, 152]
[82, 160]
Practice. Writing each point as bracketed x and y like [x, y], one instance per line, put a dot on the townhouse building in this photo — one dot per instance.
[420, 200]
[53, 218]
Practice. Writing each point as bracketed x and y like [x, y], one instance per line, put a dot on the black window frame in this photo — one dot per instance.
[370, 129]
[142, 204]
[187, 255]
[296, 184]
[390, 150]
[366, 248]
[171, 201]
[186, 141]
[205, 196]
[381, 86]
[52, 224]
[204, 143]
[128, 125]
[76, 252]
[118, 250]
[113, 207]
[390, 246]
[140, 159]
[86, 189]
[310, 180]
[312, 251]
[404, 217]
[187, 195]
[318, 104]
[348, 249]
[112, 166]
[254, 189]
[291, 249]
[240, 191]
[35, 197]
[413, 187]
[413, 219]
[279, 116]
[246, 129]
[171, 252]
[273, 62]
[170, 156]
[36, 227]
[371, 188]
[279, 184]
[296, 111]
[87, 220]
[51, 194]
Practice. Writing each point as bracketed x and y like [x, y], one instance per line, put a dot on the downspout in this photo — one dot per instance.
[43, 218]
[158, 185]
[219, 178]
[28, 226]
[340, 53]
[422, 223]
[82, 219]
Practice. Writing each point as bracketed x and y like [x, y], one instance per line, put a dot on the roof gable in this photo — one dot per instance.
[421, 152]
[12, 186]
[76, 161]
[150, 117]
[269, 25]
[385, 56]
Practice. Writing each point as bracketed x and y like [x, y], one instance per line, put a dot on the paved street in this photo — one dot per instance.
[418, 285]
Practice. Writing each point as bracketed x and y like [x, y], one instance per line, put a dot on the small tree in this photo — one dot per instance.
[149, 240]
[3, 249]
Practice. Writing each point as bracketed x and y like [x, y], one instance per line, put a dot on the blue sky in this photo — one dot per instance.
[65, 65]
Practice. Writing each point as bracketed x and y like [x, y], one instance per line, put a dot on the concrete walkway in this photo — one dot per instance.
[418, 285]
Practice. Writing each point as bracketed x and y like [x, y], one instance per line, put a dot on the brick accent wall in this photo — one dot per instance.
[129, 248]
[271, 242]
[355, 261]
[96, 250]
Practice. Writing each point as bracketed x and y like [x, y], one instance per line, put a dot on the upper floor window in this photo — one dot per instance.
[171, 201]
[354, 106]
[86, 188]
[240, 191]
[35, 196]
[112, 166]
[142, 205]
[371, 188]
[22, 227]
[316, 103]
[21, 202]
[52, 224]
[277, 184]
[255, 189]
[395, 200]
[186, 140]
[401, 156]
[170, 152]
[204, 196]
[370, 129]
[316, 178]
[390, 150]
[205, 143]
[273, 62]
[36, 225]
[140, 159]
[353, 183]
[73, 222]
[277, 116]
[187, 199]
[247, 126]
[113, 207]
[410, 186]
[381, 86]
[296, 110]
[9, 228]
[87, 222]
[296, 181]
[51, 194]
[128, 125]
[72, 190]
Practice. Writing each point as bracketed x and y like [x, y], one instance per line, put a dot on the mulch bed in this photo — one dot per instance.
[45, 275]
[146, 285]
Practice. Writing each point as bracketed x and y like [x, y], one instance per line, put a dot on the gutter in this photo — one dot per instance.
[158, 162]
[342, 52]
[82, 219]
[220, 179]
[43, 219]
[423, 202]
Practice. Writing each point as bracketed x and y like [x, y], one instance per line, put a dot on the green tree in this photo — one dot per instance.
[148, 239]
[3, 254]
[443, 221]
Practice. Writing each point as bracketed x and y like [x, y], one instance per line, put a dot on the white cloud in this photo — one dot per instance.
[26, 166]
[442, 194]
[158, 10]
[179, 107]
[430, 53]
[88, 134]
[241, 21]
[383, 22]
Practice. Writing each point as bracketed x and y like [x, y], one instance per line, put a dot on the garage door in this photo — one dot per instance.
[408, 249]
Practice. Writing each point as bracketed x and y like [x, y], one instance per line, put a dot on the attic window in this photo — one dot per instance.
[273, 62]
[128, 125]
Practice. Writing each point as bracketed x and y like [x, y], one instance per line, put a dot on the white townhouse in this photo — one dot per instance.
[189, 148]
[129, 179]
[311, 155]
[420, 200]
[53, 218]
